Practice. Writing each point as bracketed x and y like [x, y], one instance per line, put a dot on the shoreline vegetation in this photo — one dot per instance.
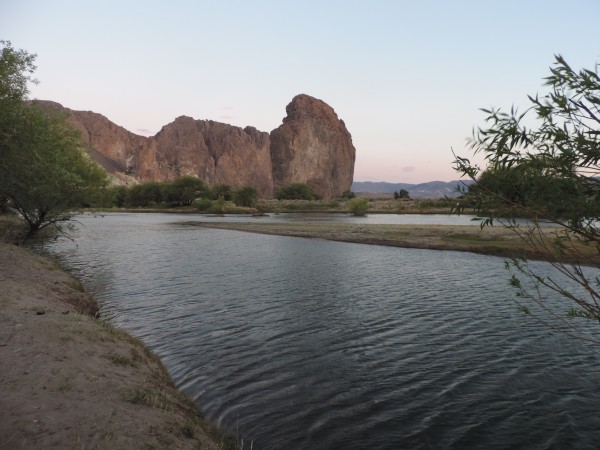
[490, 240]
[70, 380]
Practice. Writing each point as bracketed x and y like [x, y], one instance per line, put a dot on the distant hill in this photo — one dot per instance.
[432, 189]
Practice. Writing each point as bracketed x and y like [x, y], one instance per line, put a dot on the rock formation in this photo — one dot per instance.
[311, 146]
[216, 152]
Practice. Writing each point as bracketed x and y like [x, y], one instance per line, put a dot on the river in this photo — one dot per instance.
[308, 344]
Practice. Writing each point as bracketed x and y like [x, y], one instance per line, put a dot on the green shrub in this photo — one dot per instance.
[296, 191]
[144, 194]
[203, 204]
[246, 196]
[358, 206]
[218, 206]
[221, 190]
[348, 195]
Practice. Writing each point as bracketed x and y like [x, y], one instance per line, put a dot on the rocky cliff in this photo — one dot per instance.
[311, 146]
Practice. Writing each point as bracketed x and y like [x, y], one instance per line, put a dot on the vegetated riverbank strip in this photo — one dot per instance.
[69, 380]
[491, 240]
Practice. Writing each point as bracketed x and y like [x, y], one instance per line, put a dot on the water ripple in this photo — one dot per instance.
[313, 344]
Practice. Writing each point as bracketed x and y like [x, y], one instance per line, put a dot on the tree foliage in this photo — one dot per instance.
[221, 190]
[44, 172]
[296, 191]
[182, 191]
[348, 195]
[16, 70]
[402, 193]
[246, 196]
[544, 162]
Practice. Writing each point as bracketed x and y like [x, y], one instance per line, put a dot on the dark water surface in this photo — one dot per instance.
[309, 344]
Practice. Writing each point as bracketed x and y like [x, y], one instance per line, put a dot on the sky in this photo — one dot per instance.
[407, 77]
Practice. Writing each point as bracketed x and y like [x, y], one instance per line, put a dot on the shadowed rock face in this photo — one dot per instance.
[313, 146]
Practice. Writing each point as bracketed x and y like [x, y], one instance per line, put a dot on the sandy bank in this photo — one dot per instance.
[495, 241]
[67, 380]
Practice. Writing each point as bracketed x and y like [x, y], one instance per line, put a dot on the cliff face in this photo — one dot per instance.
[311, 146]
[217, 153]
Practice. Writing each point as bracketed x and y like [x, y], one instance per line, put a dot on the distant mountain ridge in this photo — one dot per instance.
[431, 189]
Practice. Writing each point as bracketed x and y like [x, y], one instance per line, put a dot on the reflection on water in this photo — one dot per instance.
[303, 343]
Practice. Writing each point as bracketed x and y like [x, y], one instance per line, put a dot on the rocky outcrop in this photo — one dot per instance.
[313, 146]
[216, 152]
[112, 146]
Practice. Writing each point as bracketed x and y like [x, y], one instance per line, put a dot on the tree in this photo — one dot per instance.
[246, 196]
[296, 191]
[144, 194]
[221, 190]
[183, 190]
[551, 155]
[44, 172]
[16, 70]
[402, 193]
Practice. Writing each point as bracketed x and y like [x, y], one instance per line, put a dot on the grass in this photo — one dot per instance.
[119, 359]
[66, 385]
[12, 229]
[148, 397]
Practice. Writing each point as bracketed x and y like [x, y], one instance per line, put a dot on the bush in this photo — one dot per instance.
[246, 196]
[296, 191]
[218, 205]
[348, 195]
[358, 206]
[144, 194]
[221, 190]
[203, 204]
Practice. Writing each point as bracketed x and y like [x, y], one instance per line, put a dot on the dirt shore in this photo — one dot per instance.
[70, 381]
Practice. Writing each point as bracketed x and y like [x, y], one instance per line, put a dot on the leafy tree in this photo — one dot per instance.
[358, 206]
[182, 191]
[119, 193]
[348, 195]
[221, 190]
[402, 193]
[16, 70]
[144, 194]
[544, 163]
[44, 172]
[296, 191]
[246, 196]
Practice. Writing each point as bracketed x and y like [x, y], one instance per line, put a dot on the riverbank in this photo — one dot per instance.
[494, 241]
[69, 380]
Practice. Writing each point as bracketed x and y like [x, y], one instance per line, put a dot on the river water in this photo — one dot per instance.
[308, 344]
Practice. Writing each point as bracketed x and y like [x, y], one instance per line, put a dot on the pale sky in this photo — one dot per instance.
[407, 77]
